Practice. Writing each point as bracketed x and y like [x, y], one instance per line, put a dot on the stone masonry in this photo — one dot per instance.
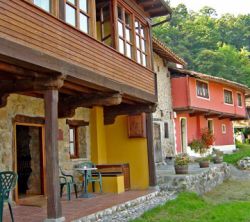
[164, 111]
[34, 107]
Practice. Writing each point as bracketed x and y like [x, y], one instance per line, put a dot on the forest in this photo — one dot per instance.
[211, 44]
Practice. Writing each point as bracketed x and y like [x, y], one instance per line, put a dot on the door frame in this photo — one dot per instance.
[184, 149]
[42, 153]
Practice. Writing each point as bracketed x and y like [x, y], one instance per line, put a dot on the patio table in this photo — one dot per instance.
[84, 171]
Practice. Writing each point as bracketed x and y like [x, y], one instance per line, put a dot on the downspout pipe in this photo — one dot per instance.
[167, 19]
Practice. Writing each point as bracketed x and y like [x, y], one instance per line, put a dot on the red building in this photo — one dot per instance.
[202, 101]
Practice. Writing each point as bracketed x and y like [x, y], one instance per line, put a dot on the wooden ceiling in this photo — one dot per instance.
[155, 8]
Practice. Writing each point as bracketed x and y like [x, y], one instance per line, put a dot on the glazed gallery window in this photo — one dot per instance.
[239, 99]
[141, 46]
[202, 89]
[77, 142]
[77, 14]
[124, 24]
[228, 97]
[44, 4]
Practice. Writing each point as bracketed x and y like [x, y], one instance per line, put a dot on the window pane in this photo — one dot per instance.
[83, 22]
[138, 53]
[119, 13]
[83, 5]
[142, 31]
[121, 46]
[128, 37]
[44, 4]
[143, 47]
[138, 41]
[137, 26]
[120, 29]
[228, 97]
[127, 19]
[128, 52]
[71, 135]
[70, 15]
[71, 1]
[72, 149]
[144, 60]
[202, 89]
[239, 100]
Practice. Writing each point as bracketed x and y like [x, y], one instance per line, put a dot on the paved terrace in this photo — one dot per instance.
[74, 209]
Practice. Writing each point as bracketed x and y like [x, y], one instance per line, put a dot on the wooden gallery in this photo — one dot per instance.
[76, 84]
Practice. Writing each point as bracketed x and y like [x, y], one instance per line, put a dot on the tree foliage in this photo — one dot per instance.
[210, 44]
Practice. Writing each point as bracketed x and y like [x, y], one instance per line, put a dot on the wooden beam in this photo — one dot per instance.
[72, 122]
[111, 112]
[68, 105]
[29, 119]
[30, 85]
[3, 99]
[151, 153]
[54, 208]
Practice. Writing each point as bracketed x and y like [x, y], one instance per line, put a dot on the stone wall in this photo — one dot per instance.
[164, 111]
[34, 107]
[200, 182]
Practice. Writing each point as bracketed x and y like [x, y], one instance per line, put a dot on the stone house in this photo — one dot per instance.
[77, 84]
[164, 130]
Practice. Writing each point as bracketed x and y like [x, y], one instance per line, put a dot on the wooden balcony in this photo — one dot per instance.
[28, 26]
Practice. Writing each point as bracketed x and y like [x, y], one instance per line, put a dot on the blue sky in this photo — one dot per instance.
[221, 6]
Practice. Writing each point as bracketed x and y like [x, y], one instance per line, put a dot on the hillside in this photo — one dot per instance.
[210, 44]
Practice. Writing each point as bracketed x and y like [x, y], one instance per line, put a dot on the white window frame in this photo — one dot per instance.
[200, 97]
[229, 104]
[239, 93]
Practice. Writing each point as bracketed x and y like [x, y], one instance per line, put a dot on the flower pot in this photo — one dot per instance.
[181, 169]
[218, 159]
[204, 164]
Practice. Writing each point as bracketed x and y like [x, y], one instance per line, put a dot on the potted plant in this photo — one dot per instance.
[217, 156]
[202, 145]
[181, 163]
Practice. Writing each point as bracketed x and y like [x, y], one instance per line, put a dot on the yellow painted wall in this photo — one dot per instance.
[98, 137]
[121, 149]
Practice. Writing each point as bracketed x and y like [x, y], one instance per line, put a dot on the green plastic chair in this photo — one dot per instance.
[68, 181]
[92, 176]
[8, 181]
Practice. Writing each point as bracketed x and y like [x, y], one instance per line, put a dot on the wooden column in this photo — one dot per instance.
[54, 209]
[151, 154]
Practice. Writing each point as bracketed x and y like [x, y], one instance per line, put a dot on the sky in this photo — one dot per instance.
[221, 6]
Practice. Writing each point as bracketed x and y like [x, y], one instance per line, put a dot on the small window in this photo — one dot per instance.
[73, 148]
[76, 14]
[202, 89]
[239, 99]
[166, 130]
[228, 97]
[44, 4]
[78, 141]
[223, 129]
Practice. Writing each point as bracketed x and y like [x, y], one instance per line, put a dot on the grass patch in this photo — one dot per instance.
[244, 150]
[189, 207]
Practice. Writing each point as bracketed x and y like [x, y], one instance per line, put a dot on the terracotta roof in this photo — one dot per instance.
[211, 78]
[155, 8]
[162, 50]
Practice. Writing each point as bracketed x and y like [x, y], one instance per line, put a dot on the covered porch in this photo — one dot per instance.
[54, 103]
